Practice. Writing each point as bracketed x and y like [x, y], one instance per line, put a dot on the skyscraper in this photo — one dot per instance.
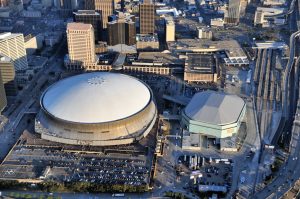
[122, 30]
[232, 15]
[12, 46]
[105, 7]
[170, 30]
[147, 17]
[7, 71]
[81, 44]
[90, 17]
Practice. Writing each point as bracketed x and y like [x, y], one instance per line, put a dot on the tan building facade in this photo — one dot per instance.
[198, 77]
[170, 30]
[105, 7]
[8, 75]
[13, 46]
[159, 70]
[81, 45]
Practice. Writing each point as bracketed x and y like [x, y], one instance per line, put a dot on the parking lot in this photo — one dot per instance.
[37, 159]
[207, 171]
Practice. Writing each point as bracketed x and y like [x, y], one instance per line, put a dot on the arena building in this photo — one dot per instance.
[97, 109]
[214, 114]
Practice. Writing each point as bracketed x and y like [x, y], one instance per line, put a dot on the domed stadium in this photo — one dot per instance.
[97, 109]
[214, 114]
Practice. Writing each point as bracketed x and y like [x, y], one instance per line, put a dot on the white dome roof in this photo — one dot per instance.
[96, 97]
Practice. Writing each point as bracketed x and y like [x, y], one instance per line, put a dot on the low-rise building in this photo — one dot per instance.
[219, 22]
[200, 68]
[267, 17]
[235, 56]
[155, 63]
[274, 2]
[204, 33]
[147, 42]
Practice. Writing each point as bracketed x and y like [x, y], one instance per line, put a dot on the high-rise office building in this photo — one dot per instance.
[147, 17]
[81, 44]
[121, 30]
[12, 46]
[3, 3]
[232, 15]
[170, 29]
[90, 17]
[3, 99]
[105, 7]
[8, 74]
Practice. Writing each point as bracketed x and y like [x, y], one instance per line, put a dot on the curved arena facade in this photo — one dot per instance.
[97, 109]
[214, 114]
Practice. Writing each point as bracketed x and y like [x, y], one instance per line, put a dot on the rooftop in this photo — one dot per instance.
[202, 63]
[8, 35]
[215, 108]
[86, 12]
[96, 97]
[122, 18]
[270, 10]
[159, 57]
[232, 47]
[147, 37]
[79, 26]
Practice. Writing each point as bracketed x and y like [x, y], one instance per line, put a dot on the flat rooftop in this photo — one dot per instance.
[4, 58]
[86, 12]
[158, 57]
[8, 35]
[147, 37]
[270, 10]
[78, 26]
[271, 44]
[201, 63]
[232, 47]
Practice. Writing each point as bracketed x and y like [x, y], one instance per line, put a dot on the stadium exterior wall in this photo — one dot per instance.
[124, 131]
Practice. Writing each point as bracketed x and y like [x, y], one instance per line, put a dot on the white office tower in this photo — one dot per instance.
[12, 45]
